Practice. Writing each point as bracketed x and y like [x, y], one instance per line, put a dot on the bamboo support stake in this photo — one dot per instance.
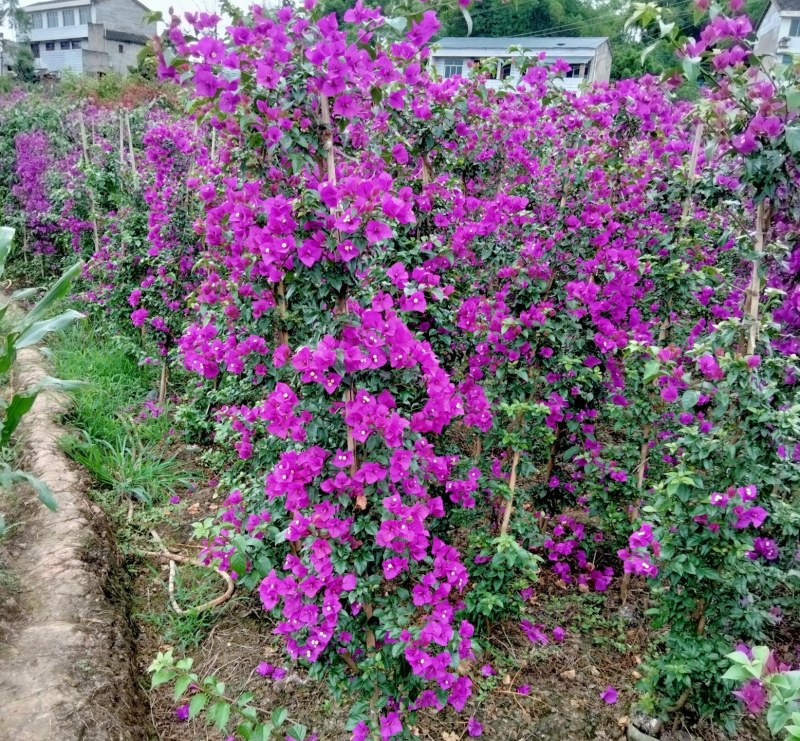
[640, 469]
[692, 172]
[162, 386]
[130, 150]
[85, 146]
[121, 141]
[283, 335]
[512, 485]
[426, 170]
[325, 115]
[754, 290]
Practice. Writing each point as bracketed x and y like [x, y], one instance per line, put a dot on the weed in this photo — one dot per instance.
[129, 467]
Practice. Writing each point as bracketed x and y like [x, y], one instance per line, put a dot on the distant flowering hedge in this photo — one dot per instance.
[443, 335]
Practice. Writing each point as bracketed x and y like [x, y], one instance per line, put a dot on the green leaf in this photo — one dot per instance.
[793, 139]
[161, 677]
[54, 294]
[691, 69]
[279, 716]
[34, 332]
[652, 369]
[689, 399]
[736, 673]
[648, 51]
[777, 717]
[197, 703]
[297, 732]
[222, 714]
[467, 19]
[42, 490]
[398, 23]
[6, 242]
[19, 406]
[181, 685]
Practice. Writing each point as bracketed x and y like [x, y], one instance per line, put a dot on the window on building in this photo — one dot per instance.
[84, 15]
[52, 19]
[64, 45]
[575, 70]
[35, 50]
[69, 17]
[50, 46]
[505, 70]
[453, 67]
[121, 49]
[787, 59]
[794, 27]
[37, 20]
[75, 44]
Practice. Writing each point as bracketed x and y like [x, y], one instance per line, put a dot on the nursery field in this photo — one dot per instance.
[395, 407]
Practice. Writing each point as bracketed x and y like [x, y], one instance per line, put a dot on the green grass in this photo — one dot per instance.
[122, 451]
[118, 385]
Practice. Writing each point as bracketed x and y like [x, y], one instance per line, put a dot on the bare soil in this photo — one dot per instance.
[66, 669]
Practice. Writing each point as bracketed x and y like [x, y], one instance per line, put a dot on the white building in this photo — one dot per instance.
[778, 31]
[589, 57]
[88, 36]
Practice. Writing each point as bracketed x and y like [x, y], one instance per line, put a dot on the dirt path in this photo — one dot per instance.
[65, 660]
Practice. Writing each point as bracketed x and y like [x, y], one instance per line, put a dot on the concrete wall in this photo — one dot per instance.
[769, 31]
[97, 38]
[120, 62]
[601, 64]
[124, 15]
[94, 62]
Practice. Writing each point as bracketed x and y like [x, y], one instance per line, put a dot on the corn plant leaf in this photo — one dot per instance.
[19, 406]
[6, 242]
[54, 294]
[37, 330]
[9, 477]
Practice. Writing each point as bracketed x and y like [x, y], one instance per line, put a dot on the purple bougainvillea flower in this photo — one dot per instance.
[377, 231]
[265, 669]
[754, 516]
[182, 712]
[609, 695]
[524, 689]
[753, 696]
[174, 499]
[559, 634]
[474, 728]
[487, 670]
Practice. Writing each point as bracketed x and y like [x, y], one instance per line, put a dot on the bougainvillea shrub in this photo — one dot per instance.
[445, 337]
